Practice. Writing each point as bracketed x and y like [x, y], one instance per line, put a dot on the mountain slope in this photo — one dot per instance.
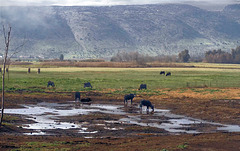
[100, 32]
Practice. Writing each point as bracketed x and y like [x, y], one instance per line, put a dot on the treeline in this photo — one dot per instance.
[140, 58]
[219, 56]
[214, 56]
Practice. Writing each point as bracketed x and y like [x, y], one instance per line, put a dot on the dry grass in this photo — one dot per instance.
[200, 93]
[158, 69]
[103, 63]
[91, 64]
[136, 65]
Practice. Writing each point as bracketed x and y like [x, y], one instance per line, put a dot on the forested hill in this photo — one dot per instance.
[100, 32]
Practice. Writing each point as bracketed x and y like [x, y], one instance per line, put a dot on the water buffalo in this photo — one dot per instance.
[142, 86]
[129, 97]
[50, 83]
[77, 96]
[146, 103]
[168, 74]
[162, 72]
[86, 100]
[88, 84]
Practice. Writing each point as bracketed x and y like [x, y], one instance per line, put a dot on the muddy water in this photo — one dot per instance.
[47, 116]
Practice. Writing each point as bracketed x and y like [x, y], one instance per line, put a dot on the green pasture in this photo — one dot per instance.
[121, 80]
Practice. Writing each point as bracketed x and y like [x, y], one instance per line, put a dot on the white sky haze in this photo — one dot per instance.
[201, 3]
[104, 2]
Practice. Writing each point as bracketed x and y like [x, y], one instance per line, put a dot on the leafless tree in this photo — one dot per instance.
[6, 34]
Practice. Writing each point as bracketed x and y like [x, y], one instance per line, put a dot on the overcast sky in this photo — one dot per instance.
[206, 3]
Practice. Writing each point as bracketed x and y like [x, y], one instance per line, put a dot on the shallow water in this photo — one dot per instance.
[47, 116]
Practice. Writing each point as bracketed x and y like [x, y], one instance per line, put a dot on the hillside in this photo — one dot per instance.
[100, 32]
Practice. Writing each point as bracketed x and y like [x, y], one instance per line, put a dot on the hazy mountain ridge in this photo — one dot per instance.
[100, 32]
[233, 12]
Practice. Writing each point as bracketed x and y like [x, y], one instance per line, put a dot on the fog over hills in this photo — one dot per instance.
[100, 32]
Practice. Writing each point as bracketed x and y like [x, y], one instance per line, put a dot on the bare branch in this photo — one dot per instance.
[4, 34]
[17, 49]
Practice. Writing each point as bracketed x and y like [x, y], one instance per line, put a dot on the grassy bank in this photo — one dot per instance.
[122, 80]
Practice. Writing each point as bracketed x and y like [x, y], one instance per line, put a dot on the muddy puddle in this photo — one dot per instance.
[99, 120]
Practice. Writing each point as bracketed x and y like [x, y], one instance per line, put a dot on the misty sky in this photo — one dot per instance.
[201, 3]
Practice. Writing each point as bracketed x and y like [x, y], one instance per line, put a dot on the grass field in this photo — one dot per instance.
[209, 92]
[122, 80]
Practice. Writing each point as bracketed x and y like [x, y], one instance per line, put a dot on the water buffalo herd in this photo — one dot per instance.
[127, 97]
[77, 96]
[83, 100]
[86, 100]
[142, 86]
[146, 103]
[50, 83]
[165, 73]
[87, 85]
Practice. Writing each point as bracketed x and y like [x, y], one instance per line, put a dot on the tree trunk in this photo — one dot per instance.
[7, 41]
[3, 86]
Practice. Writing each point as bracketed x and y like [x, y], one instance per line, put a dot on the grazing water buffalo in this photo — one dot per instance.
[88, 84]
[168, 74]
[50, 83]
[77, 96]
[162, 72]
[128, 97]
[147, 104]
[86, 100]
[142, 86]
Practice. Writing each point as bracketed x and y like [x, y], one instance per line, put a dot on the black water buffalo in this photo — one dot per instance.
[142, 86]
[87, 85]
[168, 74]
[86, 100]
[50, 83]
[162, 72]
[77, 96]
[146, 103]
[128, 97]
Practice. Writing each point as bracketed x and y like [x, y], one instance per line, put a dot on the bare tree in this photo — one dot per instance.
[6, 35]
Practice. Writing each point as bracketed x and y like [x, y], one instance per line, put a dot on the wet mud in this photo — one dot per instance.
[108, 124]
[103, 120]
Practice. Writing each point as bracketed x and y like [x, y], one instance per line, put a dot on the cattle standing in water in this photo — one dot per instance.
[147, 104]
[162, 72]
[77, 96]
[86, 100]
[142, 86]
[50, 83]
[168, 74]
[128, 97]
[88, 84]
